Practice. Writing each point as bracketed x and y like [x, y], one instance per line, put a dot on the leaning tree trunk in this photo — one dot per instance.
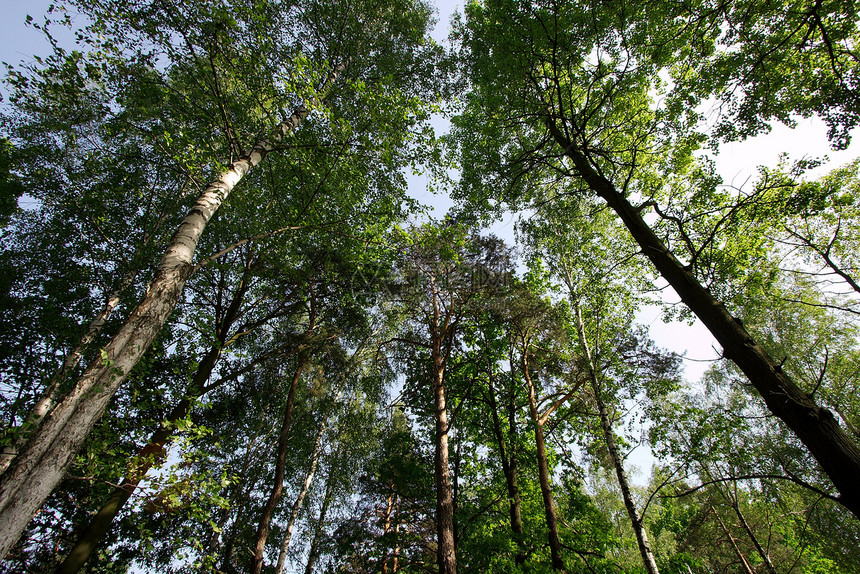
[611, 445]
[48, 398]
[543, 473]
[743, 560]
[49, 452]
[154, 450]
[815, 426]
[765, 557]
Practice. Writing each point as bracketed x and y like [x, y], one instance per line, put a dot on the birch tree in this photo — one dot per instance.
[335, 38]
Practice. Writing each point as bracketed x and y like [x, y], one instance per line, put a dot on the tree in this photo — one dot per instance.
[604, 283]
[570, 113]
[217, 33]
[443, 272]
[327, 383]
[538, 332]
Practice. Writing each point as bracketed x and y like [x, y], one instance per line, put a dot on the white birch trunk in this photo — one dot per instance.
[49, 396]
[43, 462]
[297, 505]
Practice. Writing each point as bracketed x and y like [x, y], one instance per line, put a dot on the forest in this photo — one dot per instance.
[233, 341]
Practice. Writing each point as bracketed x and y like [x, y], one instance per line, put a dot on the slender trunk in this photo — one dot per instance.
[753, 538]
[49, 396]
[49, 452]
[543, 473]
[154, 449]
[264, 526]
[611, 445]
[239, 492]
[148, 456]
[509, 470]
[386, 526]
[395, 562]
[303, 492]
[313, 553]
[815, 426]
[635, 520]
[446, 556]
[746, 565]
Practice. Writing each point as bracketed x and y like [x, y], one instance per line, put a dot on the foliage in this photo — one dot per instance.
[317, 269]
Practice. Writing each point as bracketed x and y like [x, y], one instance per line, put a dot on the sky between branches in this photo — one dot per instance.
[737, 162]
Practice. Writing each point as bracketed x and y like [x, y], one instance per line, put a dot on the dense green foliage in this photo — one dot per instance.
[325, 315]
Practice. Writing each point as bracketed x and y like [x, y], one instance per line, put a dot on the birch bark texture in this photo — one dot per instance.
[49, 452]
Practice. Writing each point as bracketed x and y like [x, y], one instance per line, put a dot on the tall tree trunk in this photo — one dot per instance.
[49, 396]
[744, 563]
[153, 451]
[264, 526]
[612, 446]
[446, 554]
[49, 452]
[303, 492]
[543, 472]
[319, 527]
[237, 495]
[509, 469]
[815, 426]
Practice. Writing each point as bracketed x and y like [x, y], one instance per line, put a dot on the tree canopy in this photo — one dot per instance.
[232, 339]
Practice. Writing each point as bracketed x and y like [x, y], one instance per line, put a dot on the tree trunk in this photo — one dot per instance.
[313, 553]
[154, 449]
[815, 426]
[386, 524]
[754, 539]
[611, 445]
[49, 452]
[264, 526]
[303, 492]
[395, 561]
[446, 556]
[49, 396]
[148, 456]
[746, 565]
[510, 471]
[543, 473]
